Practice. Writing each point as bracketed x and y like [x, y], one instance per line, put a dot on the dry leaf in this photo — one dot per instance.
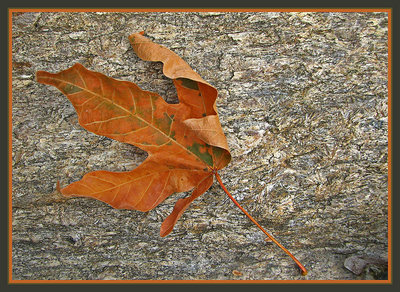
[184, 141]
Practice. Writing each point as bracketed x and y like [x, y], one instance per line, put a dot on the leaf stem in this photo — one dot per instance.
[303, 269]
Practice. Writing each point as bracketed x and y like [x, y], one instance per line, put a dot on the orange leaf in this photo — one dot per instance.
[185, 141]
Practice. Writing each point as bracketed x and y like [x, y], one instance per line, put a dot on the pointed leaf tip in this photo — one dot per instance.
[182, 204]
[58, 187]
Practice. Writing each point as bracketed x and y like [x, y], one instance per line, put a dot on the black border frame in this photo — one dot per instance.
[99, 4]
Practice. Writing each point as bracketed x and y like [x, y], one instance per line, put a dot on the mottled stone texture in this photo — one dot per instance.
[303, 103]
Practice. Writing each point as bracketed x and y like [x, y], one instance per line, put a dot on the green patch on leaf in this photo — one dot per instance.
[164, 124]
[189, 83]
[160, 140]
[70, 89]
[201, 152]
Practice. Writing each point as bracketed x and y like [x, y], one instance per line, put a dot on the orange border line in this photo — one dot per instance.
[198, 10]
[389, 281]
[390, 146]
[200, 281]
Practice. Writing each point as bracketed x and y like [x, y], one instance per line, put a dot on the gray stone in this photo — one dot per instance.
[303, 100]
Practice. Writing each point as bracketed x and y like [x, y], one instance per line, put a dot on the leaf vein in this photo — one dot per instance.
[108, 120]
[144, 192]
[82, 79]
[162, 191]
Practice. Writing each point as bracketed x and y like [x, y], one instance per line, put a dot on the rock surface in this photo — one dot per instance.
[303, 102]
